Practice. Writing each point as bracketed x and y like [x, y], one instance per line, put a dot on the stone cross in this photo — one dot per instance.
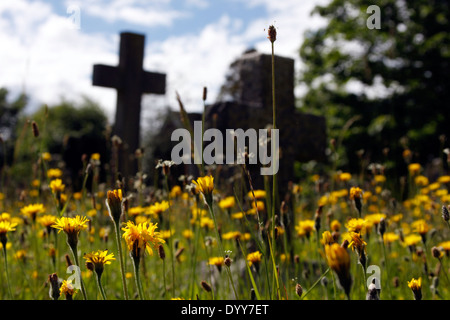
[130, 81]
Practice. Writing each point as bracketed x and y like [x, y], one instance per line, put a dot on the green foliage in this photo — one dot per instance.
[407, 58]
[67, 129]
[9, 116]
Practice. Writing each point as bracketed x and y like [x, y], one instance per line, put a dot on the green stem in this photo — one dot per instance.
[315, 284]
[122, 267]
[100, 287]
[222, 251]
[138, 279]
[387, 268]
[75, 258]
[7, 273]
[164, 278]
[169, 210]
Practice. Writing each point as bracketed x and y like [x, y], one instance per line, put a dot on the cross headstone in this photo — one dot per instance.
[130, 81]
[246, 102]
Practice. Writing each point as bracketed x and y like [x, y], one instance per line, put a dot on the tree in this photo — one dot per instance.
[391, 84]
[9, 117]
[67, 130]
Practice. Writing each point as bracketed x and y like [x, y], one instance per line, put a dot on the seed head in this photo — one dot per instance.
[272, 34]
[35, 129]
[298, 290]
[445, 214]
[206, 286]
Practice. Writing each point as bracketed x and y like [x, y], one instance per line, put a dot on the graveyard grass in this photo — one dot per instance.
[335, 236]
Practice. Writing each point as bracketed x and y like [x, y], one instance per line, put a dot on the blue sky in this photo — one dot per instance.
[192, 41]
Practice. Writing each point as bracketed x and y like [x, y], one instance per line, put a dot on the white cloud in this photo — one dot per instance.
[144, 13]
[54, 60]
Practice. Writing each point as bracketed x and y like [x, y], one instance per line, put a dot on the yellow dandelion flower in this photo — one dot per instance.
[175, 192]
[305, 227]
[420, 226]
[32, 210]
[356, 225]
[142, 236]
[67, 289]
[335, 225]
[99, 259]
[416, 286]
[54, 173]
[157, 208]
[259, 194]
[345, 176]
[254, 258]
[390, 237]
[57, 186]
[412, 240]
[205, 185]
[71, 225]
[414, 168]
[227, 203]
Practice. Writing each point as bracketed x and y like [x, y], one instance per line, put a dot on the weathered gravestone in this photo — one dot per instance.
[246, 102]
[130, 81]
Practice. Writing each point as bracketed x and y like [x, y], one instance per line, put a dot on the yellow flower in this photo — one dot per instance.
[20, 255]
[416, 286]
[390, 237]
[77, 195]
[216, 261]
[375, 218]
[414, 168]
[445, 246]
[67, 288]
[175, 192]
[412, 240]
[355, 193]
[339, 261]
[114, 204]
[237, 215]
[254, 258]
[5, 216]
[421, 181]
[205, 184]
[231, 235]
[444, 179]
[54, 173]
[7, 226]
[379, 178]
[47, 220]
[57, 185]
[420, 226]
[305, 227]
[187, 234]
[227, 203]
[46, 156]
[32, 210]
[327, 238]
[335, 226]
[206, 222]
[345, 176]
[99, 259]
[357, 243]
[142, 236]
[259, 194]
[95, 156]
[134, 211]
[71, 226]
[356, 225]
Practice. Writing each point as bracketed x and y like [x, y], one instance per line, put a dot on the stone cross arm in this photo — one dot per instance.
[110, 77]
